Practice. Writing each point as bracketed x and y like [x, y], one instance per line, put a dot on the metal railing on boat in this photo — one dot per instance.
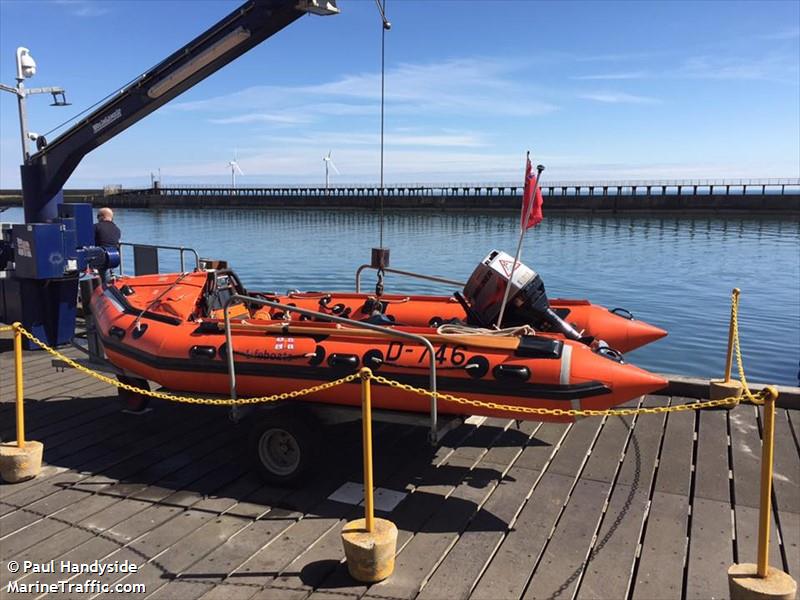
[386, 331]
[434, 278]
[154, 248]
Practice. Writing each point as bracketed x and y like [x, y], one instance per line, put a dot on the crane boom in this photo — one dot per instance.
[45, 172]
[40, 261]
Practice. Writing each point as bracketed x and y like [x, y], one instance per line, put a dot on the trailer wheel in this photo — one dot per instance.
[131, 401]
[283, 447]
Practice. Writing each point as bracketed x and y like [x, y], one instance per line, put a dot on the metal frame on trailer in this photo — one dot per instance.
[389, 333]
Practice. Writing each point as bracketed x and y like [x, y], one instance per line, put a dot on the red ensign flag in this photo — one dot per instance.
[531, 202]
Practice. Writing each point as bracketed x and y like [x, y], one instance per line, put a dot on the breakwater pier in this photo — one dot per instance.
[774, 196]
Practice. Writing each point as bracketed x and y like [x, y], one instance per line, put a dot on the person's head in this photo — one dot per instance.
[105, 214]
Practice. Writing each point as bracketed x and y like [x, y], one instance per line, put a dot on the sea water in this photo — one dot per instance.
[676, 273]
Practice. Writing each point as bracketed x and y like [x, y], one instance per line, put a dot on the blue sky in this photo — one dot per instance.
[596, 90]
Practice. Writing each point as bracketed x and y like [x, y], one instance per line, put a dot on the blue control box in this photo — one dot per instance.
[39, 250]
[84, 227]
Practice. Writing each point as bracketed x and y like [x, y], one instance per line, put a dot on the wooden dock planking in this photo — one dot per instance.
[472, 551]
[562, 565]
[588, 510]
[224, 559]
[452, 468]
[613, 556]
[160, 573]
[665, 538]
[91, 461]
[61, 498]
[103, 458]
[746, 454]
[94, 515]
[513, 564]
[441, 504]
[280, 550]
[711, 535]
[786, 487]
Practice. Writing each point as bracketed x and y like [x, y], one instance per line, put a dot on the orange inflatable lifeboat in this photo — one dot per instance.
[479, 305]
[170, 329]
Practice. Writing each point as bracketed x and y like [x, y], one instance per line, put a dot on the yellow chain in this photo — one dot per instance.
[739, 363]
[571, 412]
[186, 399]
[6, 328]
[365, 374]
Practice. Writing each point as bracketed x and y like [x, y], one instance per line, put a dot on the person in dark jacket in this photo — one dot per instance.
[106, 234]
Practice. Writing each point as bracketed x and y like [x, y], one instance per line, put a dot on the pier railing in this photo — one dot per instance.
[554, 188]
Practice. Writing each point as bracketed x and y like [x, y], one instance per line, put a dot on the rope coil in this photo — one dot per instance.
[364, 374]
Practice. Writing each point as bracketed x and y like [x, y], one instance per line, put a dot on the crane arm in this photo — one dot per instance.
[44, 173]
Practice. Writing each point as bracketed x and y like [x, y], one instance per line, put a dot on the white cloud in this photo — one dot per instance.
[277, 118]
[613, 76]
[471, 87]
[772, 67]
[85, 8]
[786, 34]
[392, 139]
[619, 98]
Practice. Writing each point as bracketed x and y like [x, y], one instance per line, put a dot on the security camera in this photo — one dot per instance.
[26, 66]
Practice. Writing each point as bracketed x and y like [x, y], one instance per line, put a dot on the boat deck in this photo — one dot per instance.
[654, 506]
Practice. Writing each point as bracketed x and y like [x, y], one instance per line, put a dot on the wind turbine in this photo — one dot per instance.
[329, 161]
[234, 165]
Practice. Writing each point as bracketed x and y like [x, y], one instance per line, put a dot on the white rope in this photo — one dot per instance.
[456, 329]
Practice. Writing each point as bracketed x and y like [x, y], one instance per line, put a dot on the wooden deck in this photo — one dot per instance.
[649, 507]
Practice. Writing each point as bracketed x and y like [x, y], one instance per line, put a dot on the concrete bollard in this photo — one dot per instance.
[745, 584]
[370, 555]
[719, 389]
[19, 464]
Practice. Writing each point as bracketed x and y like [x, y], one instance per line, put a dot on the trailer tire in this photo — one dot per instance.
[283, 447]
[132, 402]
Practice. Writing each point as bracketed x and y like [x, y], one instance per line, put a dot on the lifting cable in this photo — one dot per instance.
[385, 25]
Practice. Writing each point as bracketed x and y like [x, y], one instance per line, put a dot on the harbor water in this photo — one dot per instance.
[676, 273]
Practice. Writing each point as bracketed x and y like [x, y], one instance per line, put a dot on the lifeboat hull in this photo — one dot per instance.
[154, 327]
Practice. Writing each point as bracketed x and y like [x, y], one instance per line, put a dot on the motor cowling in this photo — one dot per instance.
[527, 298]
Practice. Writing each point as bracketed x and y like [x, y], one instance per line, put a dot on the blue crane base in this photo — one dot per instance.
[45, 307]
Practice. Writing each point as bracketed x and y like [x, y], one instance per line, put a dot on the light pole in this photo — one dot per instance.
[26, 68]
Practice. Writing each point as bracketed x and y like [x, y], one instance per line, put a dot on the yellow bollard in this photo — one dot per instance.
[366, 440]
[19, 386]
[20, 460]
[765, 505]
[760, 581]
[369, 543]
[728, 387]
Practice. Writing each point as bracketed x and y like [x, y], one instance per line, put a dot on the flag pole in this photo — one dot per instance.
[523, 229]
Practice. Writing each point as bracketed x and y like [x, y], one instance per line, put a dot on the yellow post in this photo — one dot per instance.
[20, 460]
[729, 357]
[765, 510]
[366, 434]
[369, 543]
[19, 385]
[727, 387]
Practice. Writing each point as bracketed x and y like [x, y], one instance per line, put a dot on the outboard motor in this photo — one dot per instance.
[527, 299]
